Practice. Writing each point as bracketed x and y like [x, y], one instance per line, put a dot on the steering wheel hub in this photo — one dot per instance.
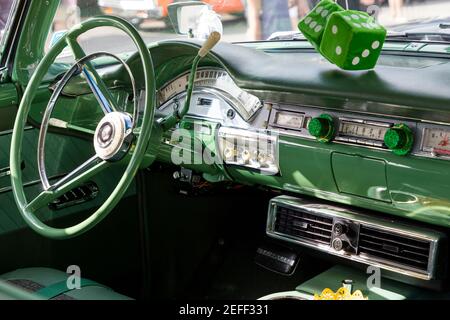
[113, 136]
[106, 134]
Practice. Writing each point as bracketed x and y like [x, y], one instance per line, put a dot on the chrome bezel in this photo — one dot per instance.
[326, 210]
[272, 136]
[426, 151]
[277, 112]
[234, 101]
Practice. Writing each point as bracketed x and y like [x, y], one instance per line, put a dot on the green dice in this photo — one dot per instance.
[313, 25]
[352, 40]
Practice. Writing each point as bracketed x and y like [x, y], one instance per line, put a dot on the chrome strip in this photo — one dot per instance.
[45, 122]
[226, 96]
[333, 211]
[30, 183]
[370, 108]
[71, 175]
[10, 131]
[104, 104]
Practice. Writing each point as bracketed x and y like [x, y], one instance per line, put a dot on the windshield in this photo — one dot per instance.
[243, 20]
[5, 13]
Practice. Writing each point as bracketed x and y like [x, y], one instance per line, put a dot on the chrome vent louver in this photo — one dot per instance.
[303, 225]
[410, 252]
[400, 248]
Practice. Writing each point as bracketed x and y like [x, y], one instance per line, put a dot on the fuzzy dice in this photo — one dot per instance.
[352, 40]
[313, 25]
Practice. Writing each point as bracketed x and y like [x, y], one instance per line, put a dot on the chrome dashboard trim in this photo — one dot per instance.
[217, 115]
[10, 131]
[236, 104]
[165, 84]
[338, 212]
[365, 107]
[272, 135]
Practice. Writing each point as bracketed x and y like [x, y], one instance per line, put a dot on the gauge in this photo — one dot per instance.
[172, 89]
[362, 130]
[436, 141]
[219, 81]
[289, 120]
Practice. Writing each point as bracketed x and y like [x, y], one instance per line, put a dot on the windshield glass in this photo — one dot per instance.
[243, 20]
[5, 13]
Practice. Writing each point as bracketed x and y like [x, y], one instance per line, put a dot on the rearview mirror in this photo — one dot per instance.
[186, 17]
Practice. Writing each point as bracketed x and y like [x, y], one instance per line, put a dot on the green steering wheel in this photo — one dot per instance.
[114, 137]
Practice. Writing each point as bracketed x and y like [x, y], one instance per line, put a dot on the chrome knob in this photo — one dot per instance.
[338, 244]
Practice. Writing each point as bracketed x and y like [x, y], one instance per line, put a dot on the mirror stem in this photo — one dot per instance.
[169, 121]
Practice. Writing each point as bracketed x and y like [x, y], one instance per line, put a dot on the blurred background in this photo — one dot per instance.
[243, 20]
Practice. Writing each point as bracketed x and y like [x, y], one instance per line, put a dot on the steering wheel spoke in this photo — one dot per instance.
[81, 174]
[78, 176]
[94, 80]
[77, 50]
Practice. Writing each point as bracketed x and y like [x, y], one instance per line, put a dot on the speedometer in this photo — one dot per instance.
[217, 80]
[172, 89]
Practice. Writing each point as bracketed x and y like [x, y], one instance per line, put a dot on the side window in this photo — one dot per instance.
[6, 7]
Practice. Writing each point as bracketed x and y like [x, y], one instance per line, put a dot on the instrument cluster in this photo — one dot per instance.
[213, 80]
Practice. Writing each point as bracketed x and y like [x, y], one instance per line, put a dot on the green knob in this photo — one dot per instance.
[399, 139]
[322, 128]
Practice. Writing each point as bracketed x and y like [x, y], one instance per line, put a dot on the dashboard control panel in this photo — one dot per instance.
[216, 97]
[399, 136]
[256, 150]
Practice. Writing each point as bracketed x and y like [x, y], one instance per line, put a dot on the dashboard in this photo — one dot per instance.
[361, 159]
[338, 136]
[279, 116]
[219, 98]
[381, 163]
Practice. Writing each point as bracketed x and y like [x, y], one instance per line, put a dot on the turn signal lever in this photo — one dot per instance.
[169, 121]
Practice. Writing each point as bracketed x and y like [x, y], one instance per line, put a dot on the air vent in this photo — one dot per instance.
[303, 225]
[399, 249]
[406, 249]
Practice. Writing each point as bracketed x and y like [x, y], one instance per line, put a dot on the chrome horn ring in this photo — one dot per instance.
[125, 128]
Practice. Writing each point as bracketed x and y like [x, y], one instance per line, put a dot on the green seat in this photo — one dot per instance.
[51, 284]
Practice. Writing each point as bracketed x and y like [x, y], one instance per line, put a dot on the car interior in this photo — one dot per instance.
[208, 170]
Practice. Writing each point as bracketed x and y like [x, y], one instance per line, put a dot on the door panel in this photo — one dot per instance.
[8, 106]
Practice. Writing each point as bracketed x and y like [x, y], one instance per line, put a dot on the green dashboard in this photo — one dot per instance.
[250, 90]
[278, 93]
